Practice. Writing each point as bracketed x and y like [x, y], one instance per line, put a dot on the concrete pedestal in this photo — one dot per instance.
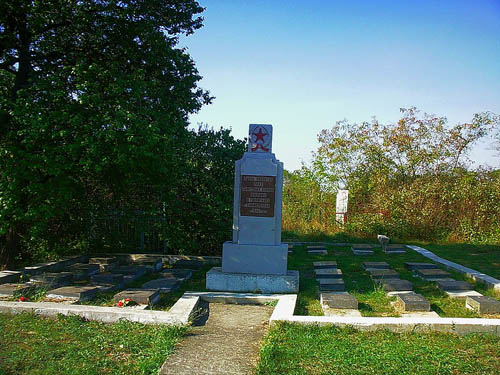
[250, 282]
[262, 259]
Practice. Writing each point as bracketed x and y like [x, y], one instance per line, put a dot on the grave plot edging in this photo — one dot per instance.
[491, 282]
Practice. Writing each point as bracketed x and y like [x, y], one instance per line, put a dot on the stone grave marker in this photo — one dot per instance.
[73, 293]
[52, 279]
[375, 265]
[163, 284]
[413, 266]
[177, 273]
[483, 304]
[325, 264]
[108, 278]
[328, 273]
[9, 276]
[395, 249]
[433, 274]
[453, 285]
[82, 271]
[139, 296]
[412, 302]
[106, 264]
[256, 258]
[10, 289]
[339, 300]
[362, 249]
[377, 274]
[396, 285]
[331, 285]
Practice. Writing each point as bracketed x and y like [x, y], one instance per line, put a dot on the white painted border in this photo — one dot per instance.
[186, 308]
[473, 274]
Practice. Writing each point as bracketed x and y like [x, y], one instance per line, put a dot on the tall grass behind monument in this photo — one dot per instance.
[410, 180]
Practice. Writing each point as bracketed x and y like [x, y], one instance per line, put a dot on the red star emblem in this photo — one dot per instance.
[259, 135]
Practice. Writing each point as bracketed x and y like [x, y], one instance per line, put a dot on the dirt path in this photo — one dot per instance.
[227, 344]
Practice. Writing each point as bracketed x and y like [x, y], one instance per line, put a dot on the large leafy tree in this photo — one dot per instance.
[94, 100]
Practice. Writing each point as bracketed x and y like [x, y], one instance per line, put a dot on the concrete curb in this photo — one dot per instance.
[491, 282]
[186, 308]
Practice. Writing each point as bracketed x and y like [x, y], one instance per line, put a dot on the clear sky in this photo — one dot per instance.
[303, 65]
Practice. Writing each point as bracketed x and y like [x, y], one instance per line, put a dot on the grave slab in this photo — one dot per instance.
[317, 252]
[247, 282]
[413, 266]
[339, 300]
[153, 265]
[462, 293]
[362, 252]
[396, 285]
[73, 293]
[377, 274]
[11, 289]
[190, 264]
[362, 246]
[139, 296]
[316, 247]
[164, 284]
[433, 274]
[52, 279]
[453, 285]
[82, 271]
[483, 304]
[329, 273]
[106, 264]
[9, 276]
[325, 264]
[108, 278]
[331, 285]
[180, 274]
[136, 271]
[395, 249]
[412, 302]
[375, 265]
[106, 288]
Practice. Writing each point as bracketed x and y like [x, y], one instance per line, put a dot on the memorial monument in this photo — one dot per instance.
[256, 260]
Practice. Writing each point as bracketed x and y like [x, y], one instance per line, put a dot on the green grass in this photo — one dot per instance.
[35, 345]
[295, 349]
[373, 301]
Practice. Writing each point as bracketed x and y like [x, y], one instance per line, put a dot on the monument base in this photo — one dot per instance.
[251, 282]
[255, 259]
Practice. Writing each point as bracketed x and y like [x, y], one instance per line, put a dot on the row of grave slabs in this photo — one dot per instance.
[336, 301]
[339, 306]
[79, 279]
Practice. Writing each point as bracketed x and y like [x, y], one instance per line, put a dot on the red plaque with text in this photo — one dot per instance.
[257, 195]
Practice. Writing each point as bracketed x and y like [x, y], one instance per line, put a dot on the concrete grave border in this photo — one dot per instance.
[186, 308]
[490, 282]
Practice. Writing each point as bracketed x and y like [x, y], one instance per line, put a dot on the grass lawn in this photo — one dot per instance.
[296, 349]
[34, 345]
[373, 301]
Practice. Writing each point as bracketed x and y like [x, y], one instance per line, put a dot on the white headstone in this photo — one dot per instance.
[341, 211]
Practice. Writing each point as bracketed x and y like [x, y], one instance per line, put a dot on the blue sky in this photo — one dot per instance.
[303, 65]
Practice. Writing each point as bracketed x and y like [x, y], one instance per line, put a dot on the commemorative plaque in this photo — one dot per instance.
[257, 195]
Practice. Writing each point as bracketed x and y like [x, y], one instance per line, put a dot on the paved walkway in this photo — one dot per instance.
[475, 275]
[227, 344]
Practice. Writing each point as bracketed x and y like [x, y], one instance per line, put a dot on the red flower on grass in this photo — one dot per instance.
[120, 304]
[22, 299]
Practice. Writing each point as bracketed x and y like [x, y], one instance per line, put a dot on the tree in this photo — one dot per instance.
[94, 101]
